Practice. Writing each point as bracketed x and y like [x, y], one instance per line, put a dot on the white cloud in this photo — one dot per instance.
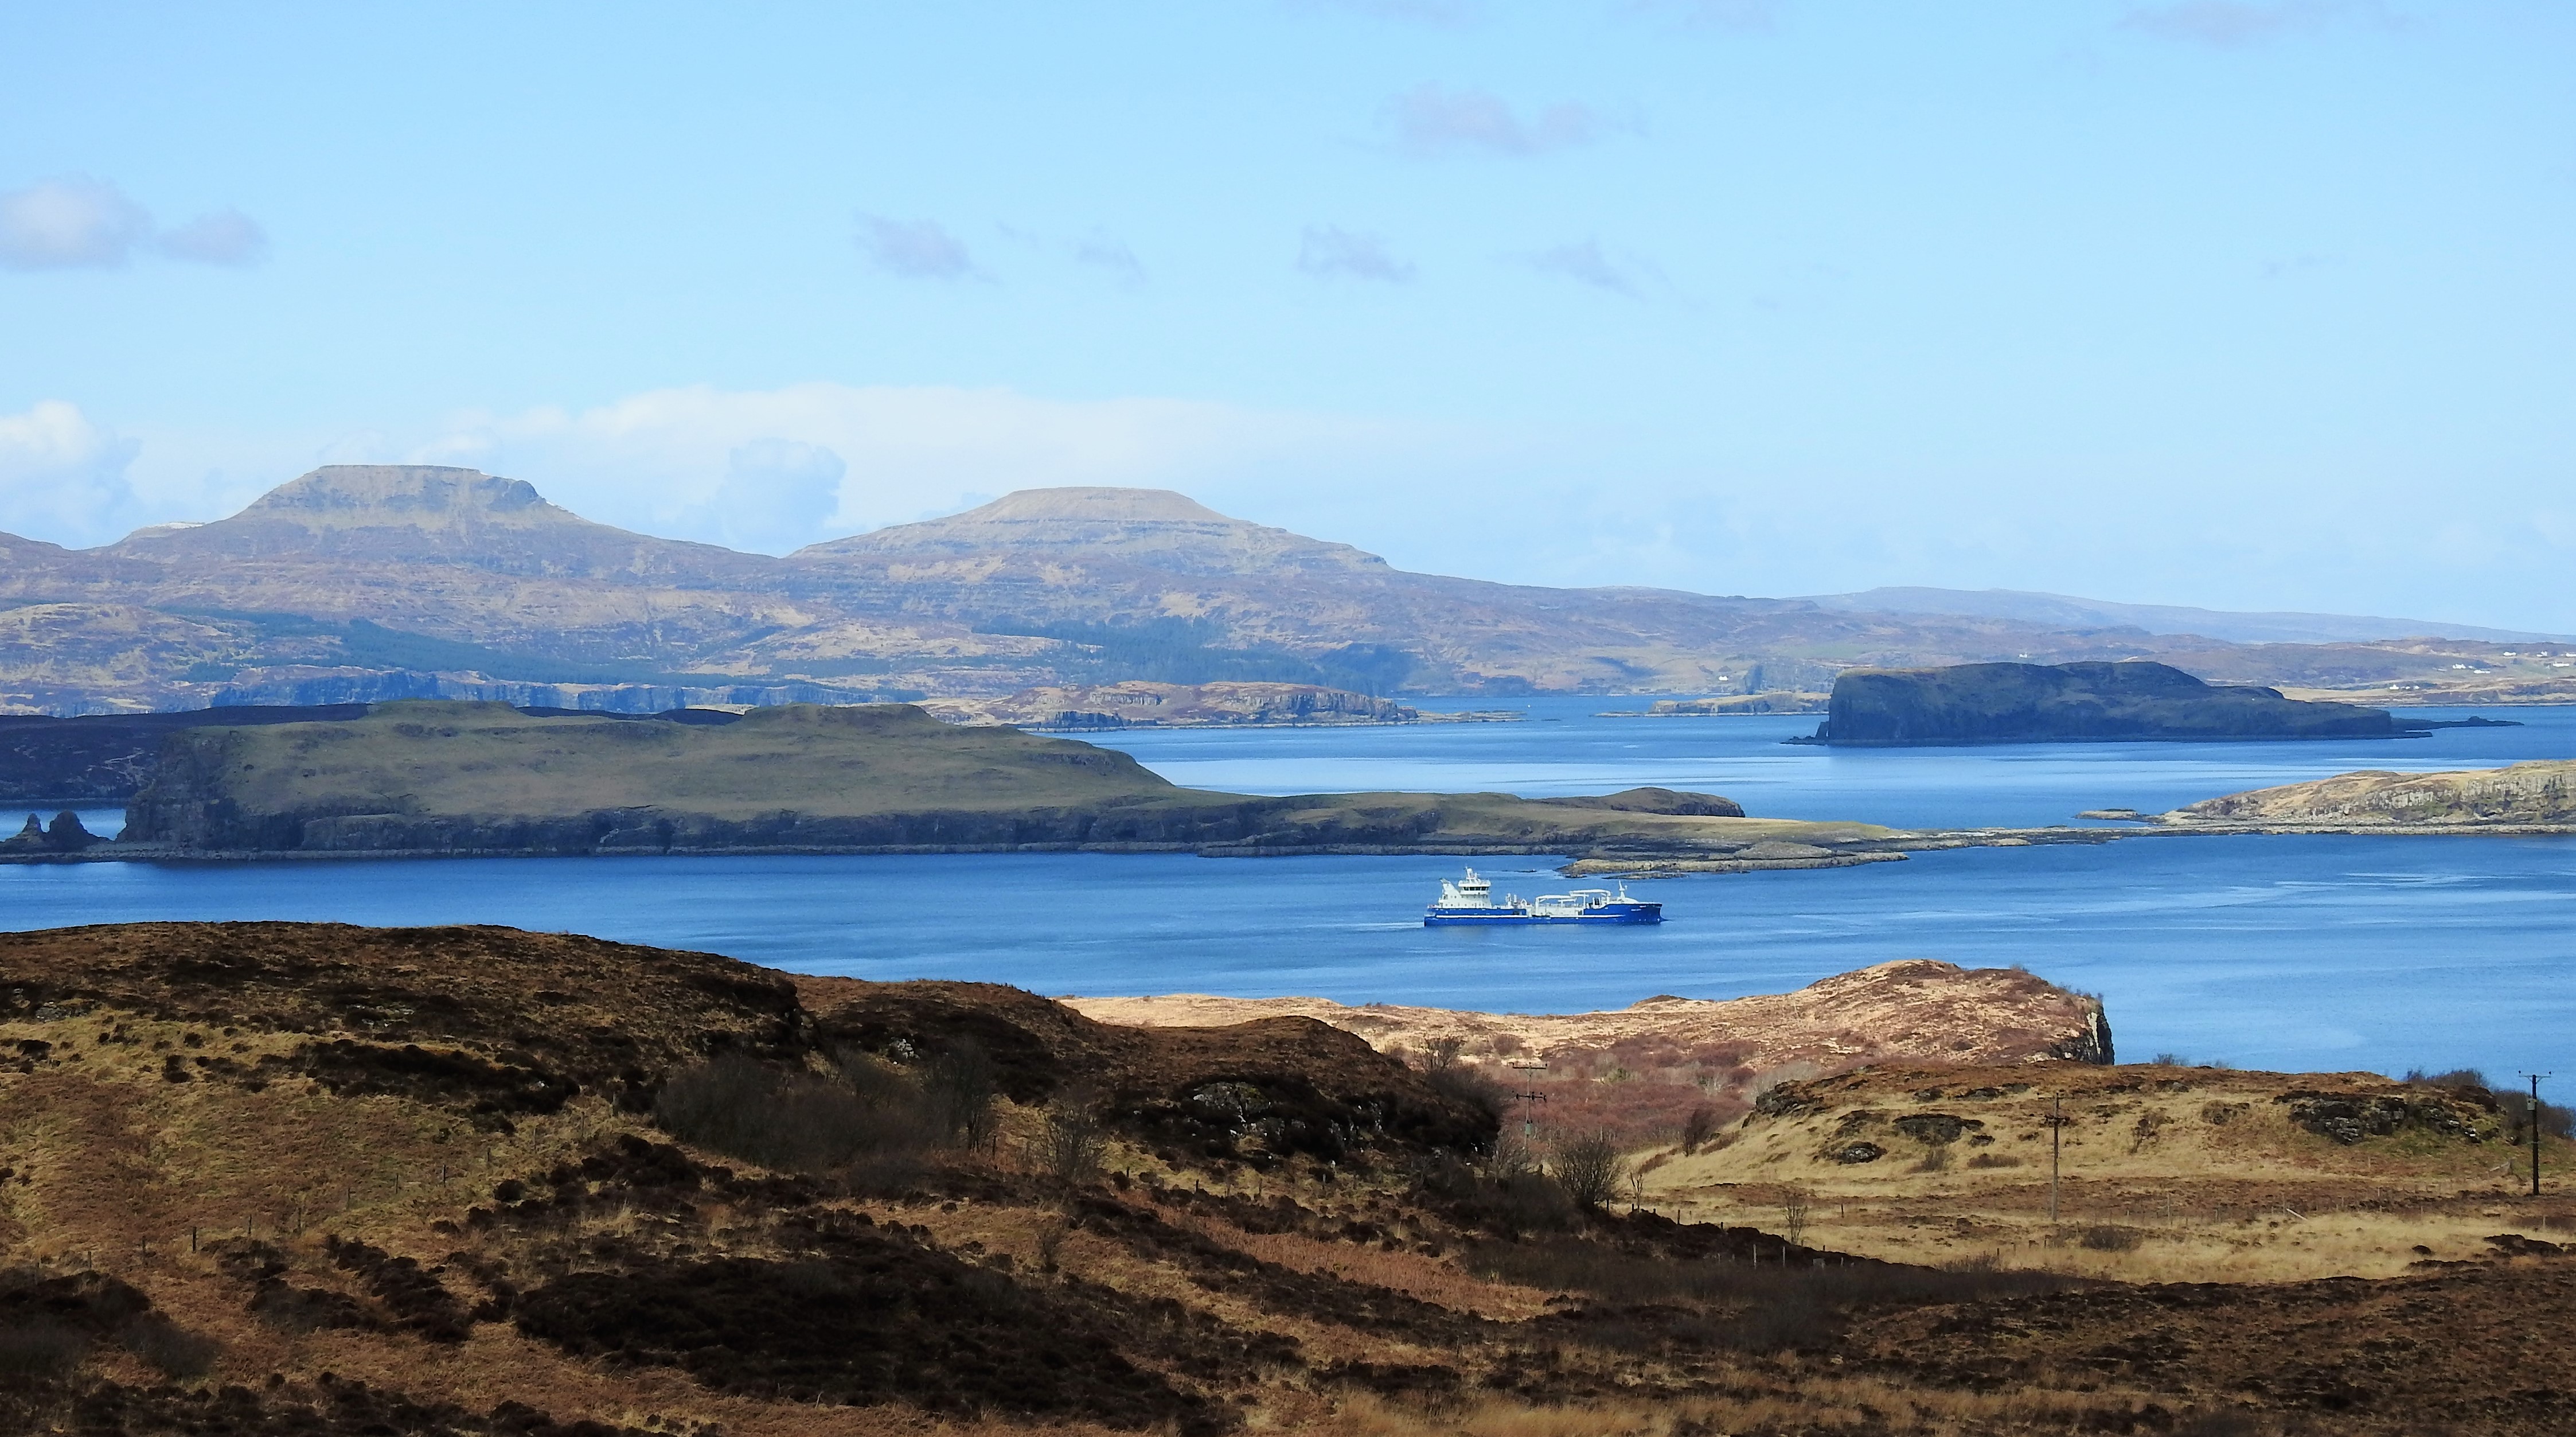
[914, 249]
[777, 495]
[69, 223]
[226, 237]
[62, 479]
[756, 468]
[1329, 252]
[77, 222]
[1433, 121]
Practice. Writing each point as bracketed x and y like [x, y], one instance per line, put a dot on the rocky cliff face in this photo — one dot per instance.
[2077, 702]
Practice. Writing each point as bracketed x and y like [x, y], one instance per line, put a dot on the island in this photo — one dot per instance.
[2074, 703]
[2522, 796]
[439, 777]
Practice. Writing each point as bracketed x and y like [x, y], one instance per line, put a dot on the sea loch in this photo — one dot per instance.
[2306, 952]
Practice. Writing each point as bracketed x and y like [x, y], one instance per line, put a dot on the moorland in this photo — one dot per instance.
[274, 1178]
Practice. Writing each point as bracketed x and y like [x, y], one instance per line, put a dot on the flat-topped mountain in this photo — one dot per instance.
[2073, 703]
[427, 515]
[1155, 528]
[362, 583]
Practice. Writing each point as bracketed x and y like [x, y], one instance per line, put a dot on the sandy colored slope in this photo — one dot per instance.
[2542, 793]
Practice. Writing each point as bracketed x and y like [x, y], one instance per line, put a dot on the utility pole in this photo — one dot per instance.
[2533, 1114]
[1530, 1101]
[2056, 1137]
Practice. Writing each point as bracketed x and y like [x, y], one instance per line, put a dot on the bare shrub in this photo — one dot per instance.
[2109, 1238]
[963, 1091]
[1050, 1242]
[1512, 1158]
[1698, 1128]
[1994, 1160]
[1069, 1147]
[1793, 1216]
[1590, 1169]
[1441, 1054]
[1936, 1158]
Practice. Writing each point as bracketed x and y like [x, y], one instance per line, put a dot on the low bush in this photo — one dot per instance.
[792, 1120]
[1752, 1307]
[170, 1349]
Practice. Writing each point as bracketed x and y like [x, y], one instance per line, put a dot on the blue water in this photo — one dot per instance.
[1564, 748]
[2312, 952]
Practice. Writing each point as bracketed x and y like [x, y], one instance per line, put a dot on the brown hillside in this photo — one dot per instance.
[319, 1180]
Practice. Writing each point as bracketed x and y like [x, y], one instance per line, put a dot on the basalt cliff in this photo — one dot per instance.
[2074, 703]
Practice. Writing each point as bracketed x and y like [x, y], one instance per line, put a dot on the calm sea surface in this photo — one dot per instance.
[2286, 952]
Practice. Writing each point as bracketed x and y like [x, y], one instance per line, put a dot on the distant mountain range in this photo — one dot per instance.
[360, 583]
[2061, 611]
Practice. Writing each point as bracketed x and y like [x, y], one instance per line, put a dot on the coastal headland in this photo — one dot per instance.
[463, 778]
[313, 1178]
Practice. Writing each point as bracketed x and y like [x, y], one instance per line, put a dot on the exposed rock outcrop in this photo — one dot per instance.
[2541, 793]
[1137, 704]
[1661, 1057]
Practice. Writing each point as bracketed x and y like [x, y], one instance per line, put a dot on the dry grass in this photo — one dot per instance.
[2202, 1168]
[1800, 1398]
[1431, 1279]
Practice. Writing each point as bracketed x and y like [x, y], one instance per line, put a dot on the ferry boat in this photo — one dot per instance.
[1471, 900]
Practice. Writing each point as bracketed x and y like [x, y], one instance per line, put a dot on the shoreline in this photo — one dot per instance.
[1895, 847]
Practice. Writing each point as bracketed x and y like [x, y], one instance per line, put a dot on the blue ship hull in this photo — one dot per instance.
[1490, 917]
[1469, 902]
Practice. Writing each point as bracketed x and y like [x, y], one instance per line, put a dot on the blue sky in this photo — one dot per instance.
[2255, 305]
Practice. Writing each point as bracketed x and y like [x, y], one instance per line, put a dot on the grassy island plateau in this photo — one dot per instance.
[438, 777]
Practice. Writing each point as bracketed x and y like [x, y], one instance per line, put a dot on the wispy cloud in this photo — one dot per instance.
[2230, 24]
[1330, 252]
[914, 249]
[1434, 121]
[69, 223]
[1109, 253]
[80, 222]
[226, 237]
[1586, 262]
